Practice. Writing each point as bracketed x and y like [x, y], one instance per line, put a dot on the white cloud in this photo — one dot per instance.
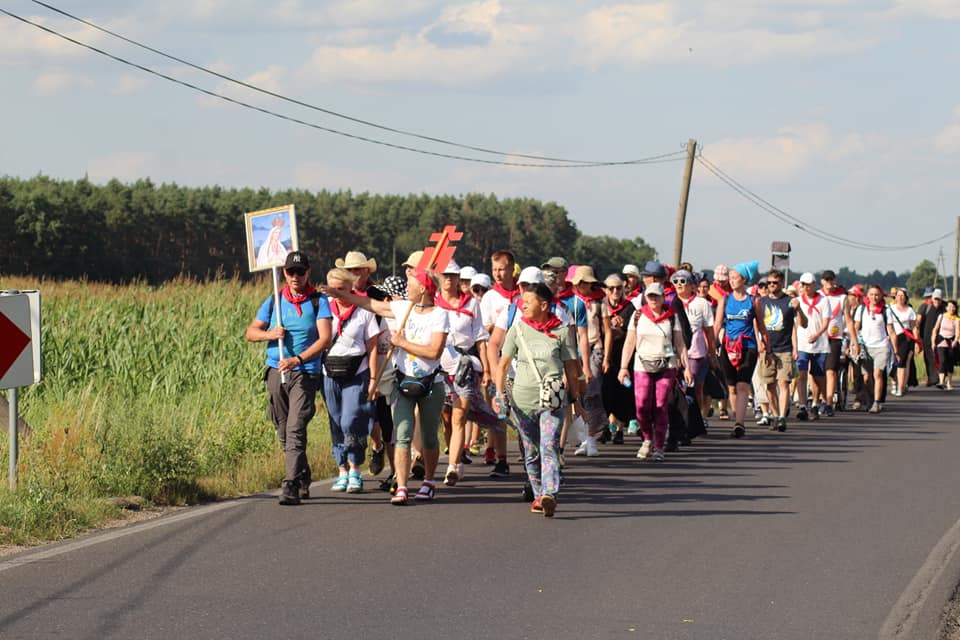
[126, 166]
[936, 9]
[22, 43]
[127, 85]
[57, 81]
[773, 159]
[948, 138]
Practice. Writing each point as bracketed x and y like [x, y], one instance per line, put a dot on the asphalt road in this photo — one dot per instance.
[844, 528]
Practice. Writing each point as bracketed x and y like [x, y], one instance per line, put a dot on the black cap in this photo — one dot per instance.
[296, 259]
[828, 275]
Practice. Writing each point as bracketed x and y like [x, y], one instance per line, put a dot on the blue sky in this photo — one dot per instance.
[840, 112]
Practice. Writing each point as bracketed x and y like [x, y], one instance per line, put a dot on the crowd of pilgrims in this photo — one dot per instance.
[559, 356]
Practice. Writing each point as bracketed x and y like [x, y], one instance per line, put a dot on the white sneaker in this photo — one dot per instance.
[875, 408]
[658, 455]
[643, 452]
[588, 448]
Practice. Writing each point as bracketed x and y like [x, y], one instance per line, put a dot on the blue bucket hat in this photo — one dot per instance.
[655, 269]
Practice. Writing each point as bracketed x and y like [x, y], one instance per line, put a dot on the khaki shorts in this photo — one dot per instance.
[779, 367]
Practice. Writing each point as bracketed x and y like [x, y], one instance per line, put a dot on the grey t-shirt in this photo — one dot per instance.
[548, 353]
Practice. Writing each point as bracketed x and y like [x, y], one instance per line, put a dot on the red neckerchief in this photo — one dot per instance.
[511, 296]
[874, 310]
[811, 305]
[614, 310]
[552, 322]
[666, 315]
[721, 291]
[686, 304]
[593, 297]
[563, 295]
[837, 291]
[669, 291]
[633, 294]
[297, 299]
[461, 303]
[342, 315]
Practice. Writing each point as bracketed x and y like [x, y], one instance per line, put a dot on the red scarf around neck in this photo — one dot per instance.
[544, 327]
[297, 299]
[810, 304]
[343, 314]
[510, 295]
[593, 297]
[614, 310]
[461, 304]
[563, 295]
[666, 314]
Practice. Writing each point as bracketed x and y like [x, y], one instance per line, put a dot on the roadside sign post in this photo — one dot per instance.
[781, 259]
[20, 361]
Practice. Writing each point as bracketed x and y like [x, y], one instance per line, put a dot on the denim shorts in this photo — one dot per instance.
[815, 362]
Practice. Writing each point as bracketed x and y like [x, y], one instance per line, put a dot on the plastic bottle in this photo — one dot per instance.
[627, 382]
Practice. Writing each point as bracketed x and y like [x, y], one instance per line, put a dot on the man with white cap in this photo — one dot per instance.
[927, 317]
[631, 276]
[812, 347]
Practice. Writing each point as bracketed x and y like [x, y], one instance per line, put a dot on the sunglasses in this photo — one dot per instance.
[615, 288]
[679, 282]
[478, 289]
[772, 282]
[296, 272]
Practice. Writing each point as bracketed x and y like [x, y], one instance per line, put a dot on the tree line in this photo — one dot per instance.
[118, 232]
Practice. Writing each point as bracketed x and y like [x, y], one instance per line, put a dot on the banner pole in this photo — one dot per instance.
[276, 300]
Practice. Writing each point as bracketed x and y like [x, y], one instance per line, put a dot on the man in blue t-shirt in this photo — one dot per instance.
[293, 372]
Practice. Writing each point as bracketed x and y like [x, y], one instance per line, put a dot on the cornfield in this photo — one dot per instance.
[146, 391]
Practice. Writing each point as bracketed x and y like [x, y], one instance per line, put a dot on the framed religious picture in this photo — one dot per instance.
[271, 235]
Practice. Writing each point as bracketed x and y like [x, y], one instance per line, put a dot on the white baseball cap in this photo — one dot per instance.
[807, 278]
[937, 293]
[452, 268]
[482, 280]
[466, 273]
[531, 275]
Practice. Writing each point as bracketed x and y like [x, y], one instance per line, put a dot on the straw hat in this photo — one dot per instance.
[356, 260]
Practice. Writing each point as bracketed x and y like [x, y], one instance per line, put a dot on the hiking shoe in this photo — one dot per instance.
[814, 413]
[764, 421]
[643, 453]
[802, 414]
[827, 411]
[465, 457]
[500, 470]
[418, 471]
[618, 437]
[549, 505]
[340, 484]
[376, 460]
[633, 428]
[587, 448]
[536, 506]
[303, 488]
[875, 407]
[489, 456]
[452, 477]
[289, 493]
[856, 405]
[772, 424]
[738, 431]
[658, 455]
[781, 424]
[389, 483]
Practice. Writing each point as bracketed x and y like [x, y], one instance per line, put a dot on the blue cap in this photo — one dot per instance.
[655, 269]
[927, 292]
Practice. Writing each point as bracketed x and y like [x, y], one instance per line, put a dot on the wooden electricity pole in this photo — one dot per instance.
[684, 195]
[956, 259]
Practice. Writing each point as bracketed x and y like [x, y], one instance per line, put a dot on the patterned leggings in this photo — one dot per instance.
[540, 434]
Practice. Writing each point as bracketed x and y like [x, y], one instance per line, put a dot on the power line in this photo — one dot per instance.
[667, 157]
[799, 224]
[331, 112]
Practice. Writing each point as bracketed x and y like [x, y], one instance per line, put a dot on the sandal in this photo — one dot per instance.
[426, 492]
[340, 484]
[399, 497]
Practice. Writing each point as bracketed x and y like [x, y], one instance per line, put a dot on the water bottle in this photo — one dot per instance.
[627, 382]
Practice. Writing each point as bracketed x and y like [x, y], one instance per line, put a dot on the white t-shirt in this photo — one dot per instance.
[654, 339]
[907, 318]
[818, 314]
[466, 329]
[837, 325]
[873, 326]
[491, 305]
[700, 315]
[419, 329]
[360, 327]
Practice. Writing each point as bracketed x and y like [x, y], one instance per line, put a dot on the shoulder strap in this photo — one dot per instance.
[527, 354]
[511, 314]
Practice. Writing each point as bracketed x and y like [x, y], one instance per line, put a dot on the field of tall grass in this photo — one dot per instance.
[147, 391]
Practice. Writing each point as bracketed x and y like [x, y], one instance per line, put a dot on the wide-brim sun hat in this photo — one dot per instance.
[356, 260]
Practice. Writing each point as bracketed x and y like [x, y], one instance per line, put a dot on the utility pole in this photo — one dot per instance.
[684, 196]
[956, 258]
